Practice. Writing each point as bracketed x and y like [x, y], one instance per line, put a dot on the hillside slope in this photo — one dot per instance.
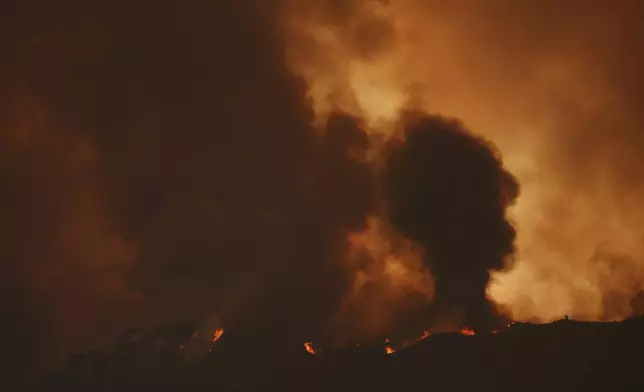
[561, 356]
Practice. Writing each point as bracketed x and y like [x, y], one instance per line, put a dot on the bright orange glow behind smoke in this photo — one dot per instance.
[394, 266]
[579, 240]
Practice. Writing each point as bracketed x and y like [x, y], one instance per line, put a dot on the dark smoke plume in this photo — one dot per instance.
[557, 86]
[158, 164]
[164, 168]
[448, 190]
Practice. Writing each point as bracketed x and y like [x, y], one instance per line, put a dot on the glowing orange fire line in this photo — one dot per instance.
[389, 348]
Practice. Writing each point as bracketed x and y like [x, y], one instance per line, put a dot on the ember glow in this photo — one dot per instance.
[308, 346]
[216, 335]
[468, 332]
[424, 336]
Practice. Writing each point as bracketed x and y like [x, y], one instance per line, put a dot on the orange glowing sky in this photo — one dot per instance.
[178, 167]
[539, 93]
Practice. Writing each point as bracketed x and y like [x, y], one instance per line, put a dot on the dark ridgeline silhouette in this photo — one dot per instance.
[554, 357]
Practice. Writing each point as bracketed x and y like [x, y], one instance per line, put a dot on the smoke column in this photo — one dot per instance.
[448, 191]
[159, 164]
[556, 87]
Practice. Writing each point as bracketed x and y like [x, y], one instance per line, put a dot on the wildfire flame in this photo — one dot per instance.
[468, 332]
[425, 335]
[216, 335]
[308, 346]
[389, 349]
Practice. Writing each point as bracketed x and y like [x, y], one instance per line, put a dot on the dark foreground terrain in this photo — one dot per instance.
[562, 356]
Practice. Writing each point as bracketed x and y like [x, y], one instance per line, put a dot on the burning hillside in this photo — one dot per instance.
[313, 174]
[562, 356]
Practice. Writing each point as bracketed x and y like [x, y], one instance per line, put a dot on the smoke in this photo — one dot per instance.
[163, 162]
[448, 191]
[63, 266]
[391, 286]
[160, 164]
[556, 87]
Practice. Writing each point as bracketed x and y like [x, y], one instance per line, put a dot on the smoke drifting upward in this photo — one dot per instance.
[448, 191]
[162, 162]
[165, 167]
[556, 86]
[62, 267]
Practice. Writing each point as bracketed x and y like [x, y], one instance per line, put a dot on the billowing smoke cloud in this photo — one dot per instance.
[391, 286]
[159, 164]
[62, 264]
[447, 190]
[555, 86]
